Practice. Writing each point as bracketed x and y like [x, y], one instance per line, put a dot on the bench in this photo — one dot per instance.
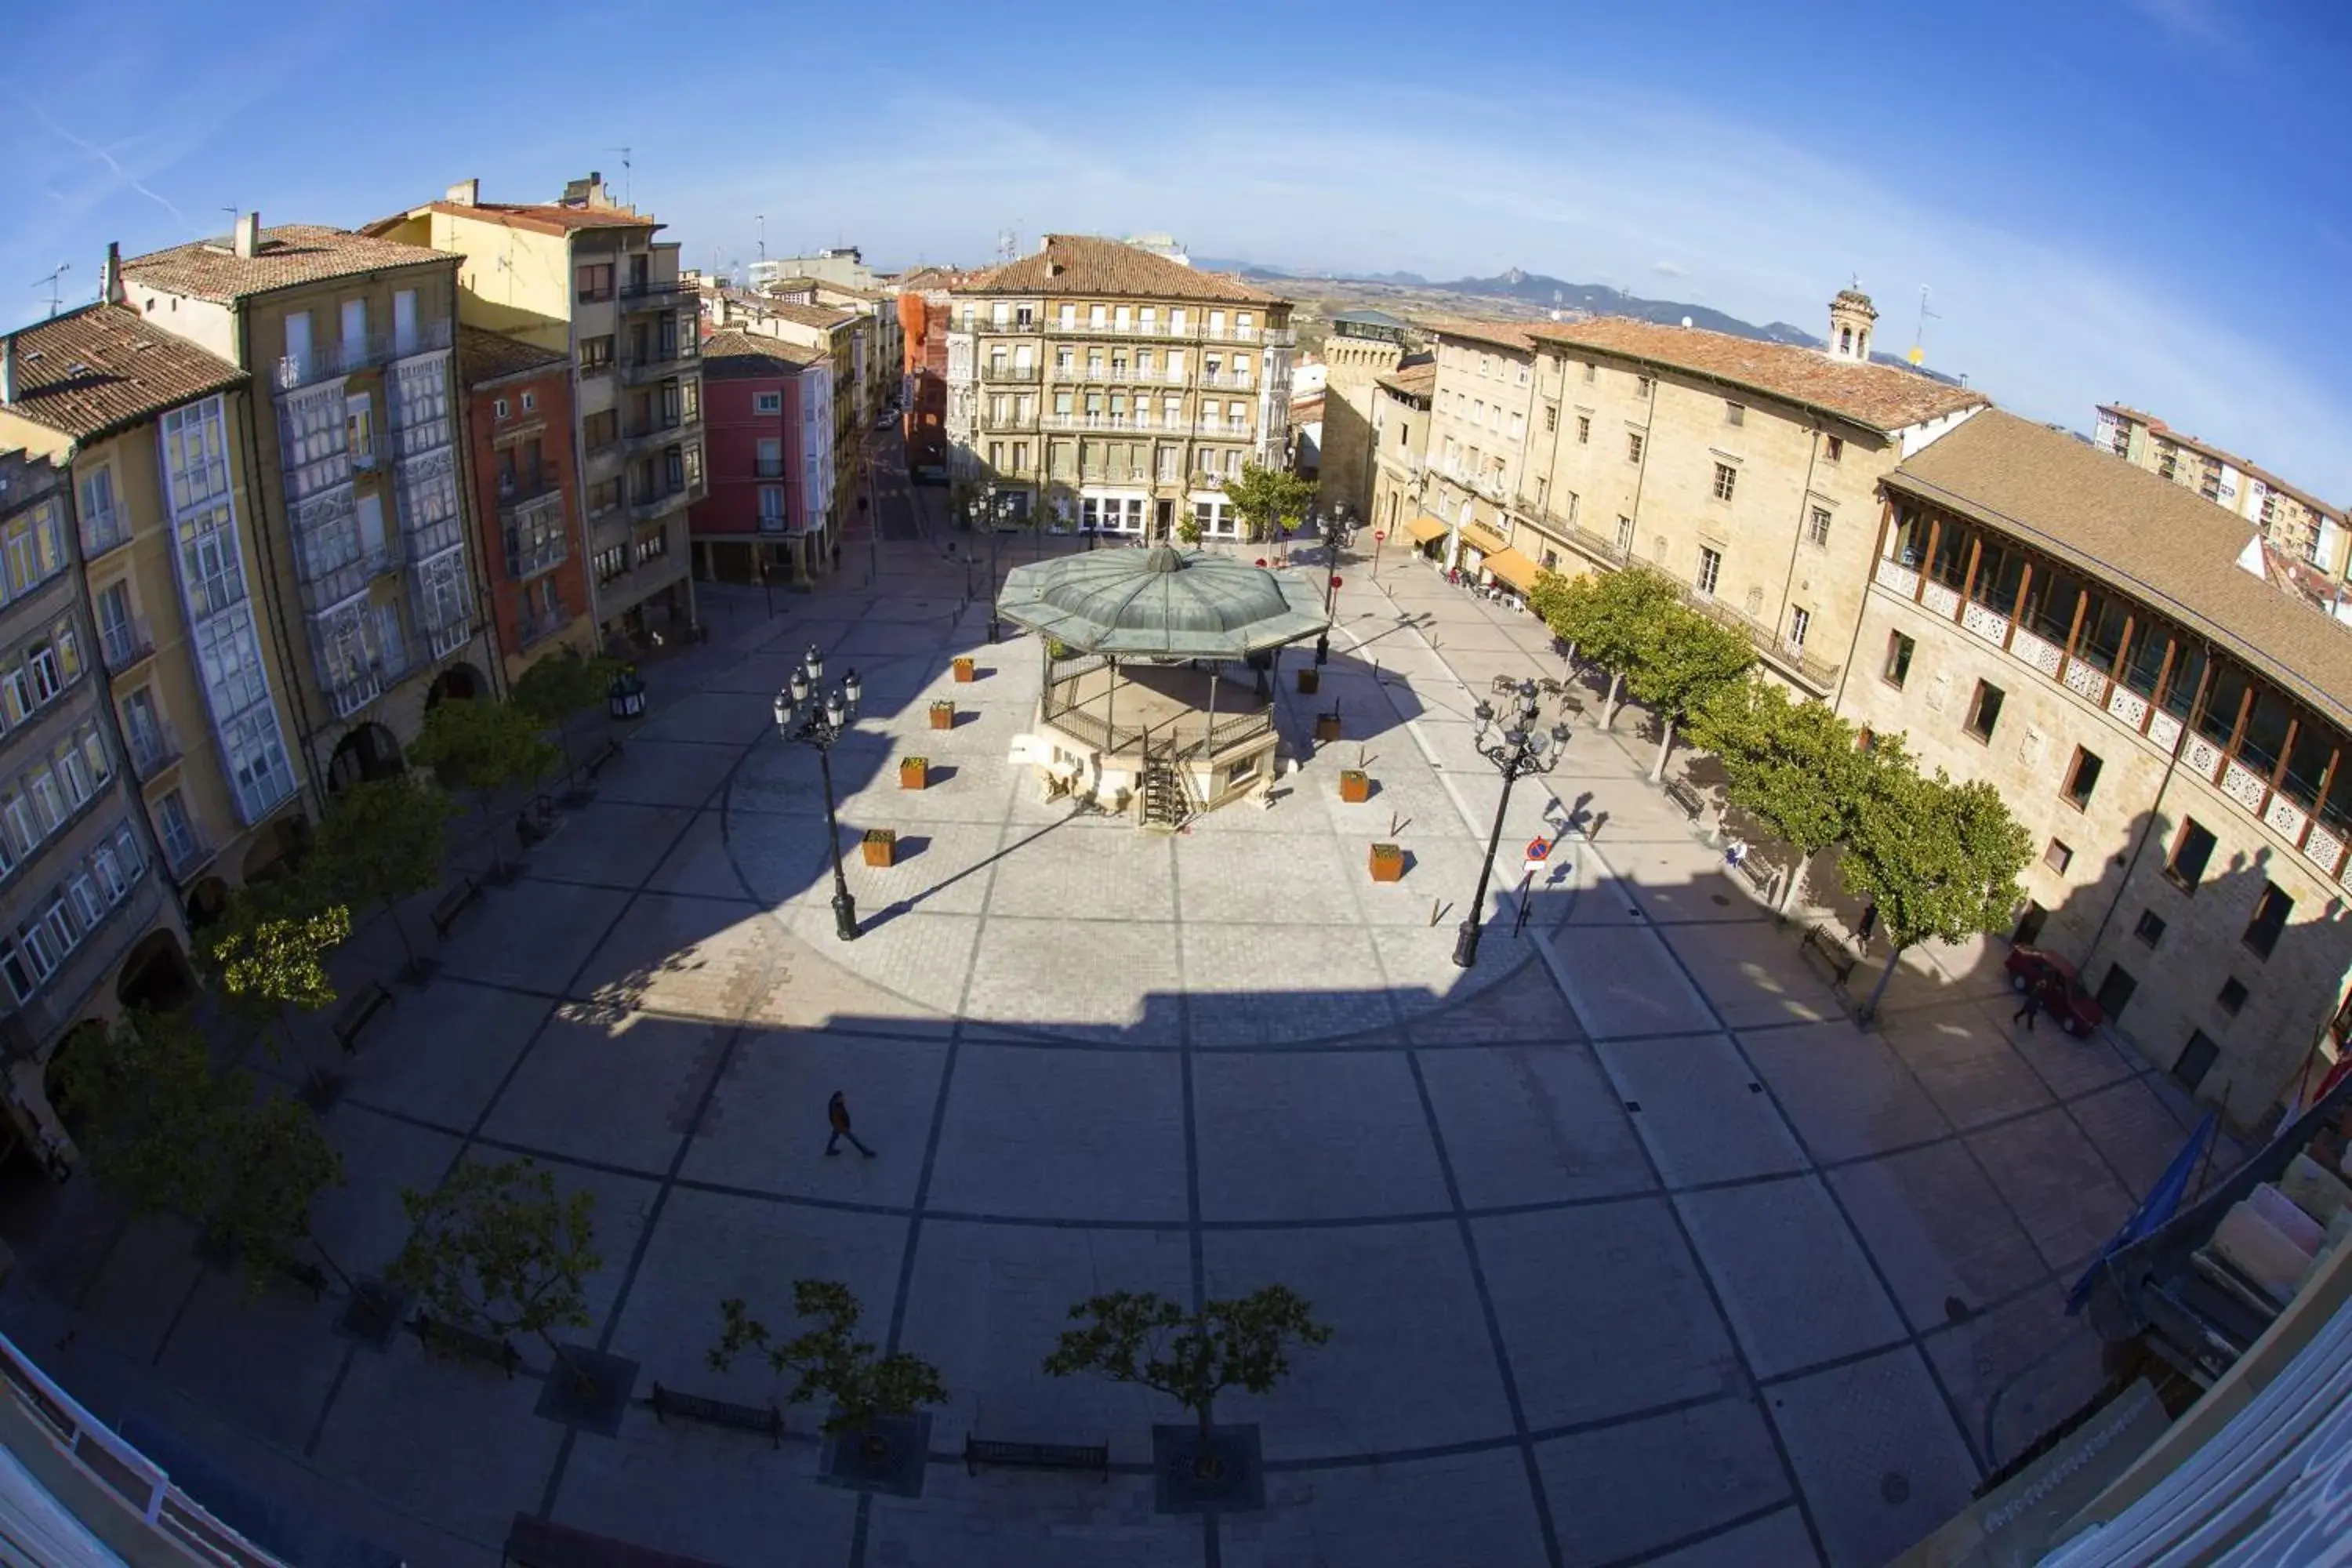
[1680, 791]
[1830, 953]
[449, 1338]
[610, 751]
[668, 1402]
[978, 1451]
[534, 822]
[358, 1007]
[309, 1275]
[453, 903]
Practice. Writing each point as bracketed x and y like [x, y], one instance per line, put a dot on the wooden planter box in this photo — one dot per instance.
[1388, 863]
[1326, 726]
[914, 773]
[964, 671]
[942, 715]
[1310, 680]
[1355, 787]
[880, 845]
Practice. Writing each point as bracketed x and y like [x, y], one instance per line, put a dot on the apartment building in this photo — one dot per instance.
[356, 467]
[1479, 416]
[2293, 522]
[922, 303]
[2170, 727]
[844, 264]
[1361, 347]
[1745, 471]
[78, 898]
[768, 512]
[880, 349]
[527, 495]
[840, 336]
[1102, 386]
[584, 277]
[1402, 405]
[157, 435]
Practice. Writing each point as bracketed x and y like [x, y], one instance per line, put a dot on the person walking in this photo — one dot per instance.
[836, 1110]
[2031, 1006]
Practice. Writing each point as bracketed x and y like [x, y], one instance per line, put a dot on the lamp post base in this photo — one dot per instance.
[1466, 945]
[844, 917]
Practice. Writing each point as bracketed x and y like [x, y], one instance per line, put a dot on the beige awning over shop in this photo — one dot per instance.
[1482, 539]
[1513, 568]
[1424, 529]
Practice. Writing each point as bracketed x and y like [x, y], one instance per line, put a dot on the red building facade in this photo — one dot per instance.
[526, 494]
[767, 432]
[923, 326]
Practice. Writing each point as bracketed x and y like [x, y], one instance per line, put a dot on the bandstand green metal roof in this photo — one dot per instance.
[1163, 604]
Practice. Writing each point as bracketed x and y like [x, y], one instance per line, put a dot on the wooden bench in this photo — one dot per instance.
[309, 1275]
[978, 1451]
[534, 822]
[668, 1402]
[610, 751]
[1830, 953]
[358, 1007]
[449, 1338]
[453, 903]
[1680, 791]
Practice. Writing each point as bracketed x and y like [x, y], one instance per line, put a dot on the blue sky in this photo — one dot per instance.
[2142, 200]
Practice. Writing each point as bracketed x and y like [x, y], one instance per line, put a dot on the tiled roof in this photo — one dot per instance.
[2147, 536]
[2180, 438]
[787, 310]
[484, 356]
[291, 254]
[1877, 396]
[543, 218]
[733, 356]
[1510, 336]
[924, 280]
[1413, 379]
[94, 369]
[1081, 265]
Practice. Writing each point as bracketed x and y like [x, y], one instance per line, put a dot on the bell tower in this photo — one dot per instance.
[1851, 315]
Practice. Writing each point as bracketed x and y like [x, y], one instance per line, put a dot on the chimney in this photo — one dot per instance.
[465, 194]
[249, 234]
[110, 276]
[7, 369]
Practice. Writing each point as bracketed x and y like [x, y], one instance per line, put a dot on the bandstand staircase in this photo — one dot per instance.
[1167, 803]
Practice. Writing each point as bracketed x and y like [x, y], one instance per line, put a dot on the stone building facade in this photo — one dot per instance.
[1401, 410]
[1480, 413]
[1361, 347]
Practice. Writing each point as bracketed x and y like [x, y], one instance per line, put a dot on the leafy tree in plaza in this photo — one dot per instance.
[1685, 659]
[862, 1383]
[1796, 767]
[1142, 1337]
[1940, 860]
[561, 685]
[1607, 616]
[270, 953]
[272, 1161]
[382, 840]
[485, 747]
[151, 1108]
[1269, 502]
[497, 1249]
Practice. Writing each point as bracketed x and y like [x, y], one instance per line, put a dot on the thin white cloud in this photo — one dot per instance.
[1670, 269]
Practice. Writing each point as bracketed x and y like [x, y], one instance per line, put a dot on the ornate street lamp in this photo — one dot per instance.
[1521, 750]
[818, 719]
[1335, 533]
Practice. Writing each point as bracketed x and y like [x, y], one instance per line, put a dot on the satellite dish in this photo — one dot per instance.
[1687, 322]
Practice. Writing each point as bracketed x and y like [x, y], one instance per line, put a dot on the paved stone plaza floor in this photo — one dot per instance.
[1636, 1250]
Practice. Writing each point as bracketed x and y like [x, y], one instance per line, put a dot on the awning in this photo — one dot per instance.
[1513, 568]
[1484, 540]
[1424, 529]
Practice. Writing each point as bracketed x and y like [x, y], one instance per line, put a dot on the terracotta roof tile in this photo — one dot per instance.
[486, 356]
[2147, 536]
[94, 369]
[788, 311]
[1412, 380]
[1502, 334]
[289, 255]
[1877, 396]
[733, 356]
[543, 218]
[1081, 265]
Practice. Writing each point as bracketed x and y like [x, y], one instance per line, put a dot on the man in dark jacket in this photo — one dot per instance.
[836, 1110]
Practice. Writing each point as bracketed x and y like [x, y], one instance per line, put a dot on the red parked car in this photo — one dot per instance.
[2059, 986]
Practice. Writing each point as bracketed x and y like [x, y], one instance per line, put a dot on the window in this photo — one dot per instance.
[1632, 445]
[1801, 621]
[2190, 851]
[768, 402]
[1727, 480]
[1624, 535]
[2058, 856]
[2232, 997]
[1643, 385]
[600, 430]
[531, 402]
[611, 563]
[2271, 912]
[1591, 372]
[1551, 419]
[604, 496]
[1984, 710]
[596, 281]
[2082, 778]
[2195, 1061]
[499, 408]
[1833, 450]
[1817, 527]
[2150, 928]
[1584, 429]
[596, 353]
[1735, 413]
[1710, 567]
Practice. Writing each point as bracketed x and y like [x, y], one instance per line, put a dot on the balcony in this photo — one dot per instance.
[1230, 380]
[187, 851]
[153, 745]
[1008, 373]
[325, 362]
[660, 366]
[61, 997]
[653, 437]
[534, 534]
[1210, 429]
[658, 295]
[648, 506]
[103, 532]
[123, 645]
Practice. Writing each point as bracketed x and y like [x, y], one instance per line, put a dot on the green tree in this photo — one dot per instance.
[1685, 659]
[270, 953]
[150, 1106]
[497, 1249]
[1607, 618]
[1142, 1337]
[485, 747]
[862, 1383]
[559, 685]
[1269, 502]
[272, 1161]
[1940, 860]
[1796, 767]
[382, 841]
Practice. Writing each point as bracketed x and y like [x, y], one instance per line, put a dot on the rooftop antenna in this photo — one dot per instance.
[232, 220]
[761, 220]
[55, 297]
[628, 184]
[1918, 354]
[1008, 246]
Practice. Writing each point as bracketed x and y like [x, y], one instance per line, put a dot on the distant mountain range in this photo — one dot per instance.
[1534, 288]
